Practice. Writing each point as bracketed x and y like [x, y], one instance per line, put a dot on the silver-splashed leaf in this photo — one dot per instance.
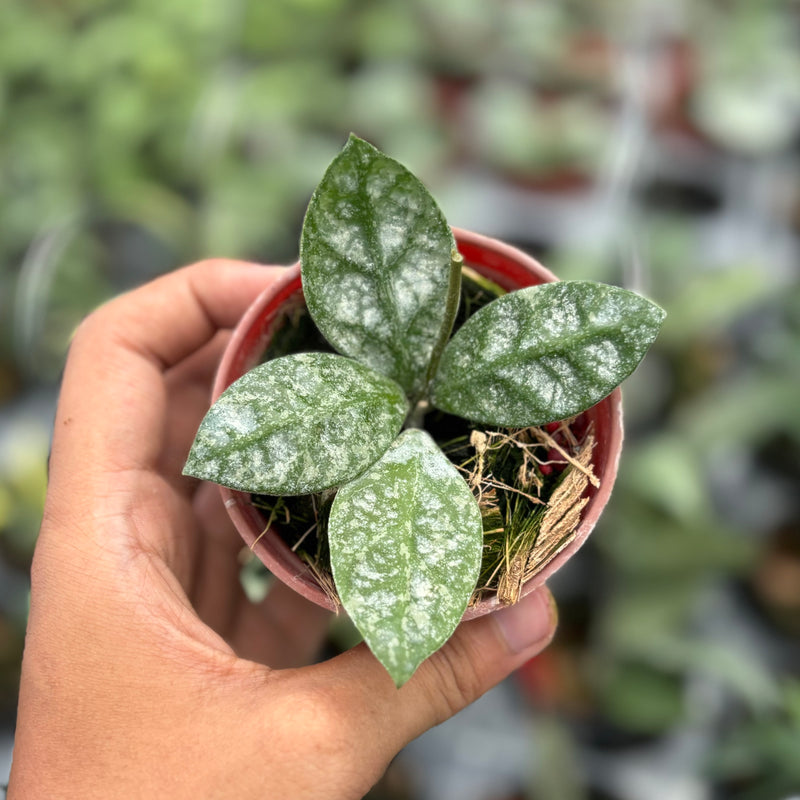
[375, 254]
[544, 353]
[406, 541]
[297, 424]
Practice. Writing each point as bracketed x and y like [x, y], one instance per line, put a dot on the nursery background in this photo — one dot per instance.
[653, 145]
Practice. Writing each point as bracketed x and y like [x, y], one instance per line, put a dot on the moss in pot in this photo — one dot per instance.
[408, 532]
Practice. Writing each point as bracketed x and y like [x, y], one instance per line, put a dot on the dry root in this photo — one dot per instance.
[523, 540]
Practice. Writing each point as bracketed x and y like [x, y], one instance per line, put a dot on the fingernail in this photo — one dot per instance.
[529, 621]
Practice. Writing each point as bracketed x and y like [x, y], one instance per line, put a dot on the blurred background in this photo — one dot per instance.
[653, 145]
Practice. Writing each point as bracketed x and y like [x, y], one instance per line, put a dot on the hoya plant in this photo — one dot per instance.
[382, 279]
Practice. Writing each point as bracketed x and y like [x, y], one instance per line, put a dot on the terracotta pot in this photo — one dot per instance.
[501, 263]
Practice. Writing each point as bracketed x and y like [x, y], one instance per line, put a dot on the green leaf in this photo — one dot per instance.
[298, 424]
[544, 353]
[375, 254]
[406, 540]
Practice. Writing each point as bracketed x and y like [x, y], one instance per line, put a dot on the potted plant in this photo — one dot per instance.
[428, 464]
[544, 140]
[746, 98]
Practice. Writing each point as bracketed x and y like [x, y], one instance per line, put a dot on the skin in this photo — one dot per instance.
[147, 672]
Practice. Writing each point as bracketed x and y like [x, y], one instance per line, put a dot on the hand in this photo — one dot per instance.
[147, 672]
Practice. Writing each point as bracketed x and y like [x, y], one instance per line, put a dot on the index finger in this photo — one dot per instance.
[112, 409]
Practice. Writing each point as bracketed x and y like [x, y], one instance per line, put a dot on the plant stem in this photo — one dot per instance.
[417, 415]
[419, 402]
[451, 309]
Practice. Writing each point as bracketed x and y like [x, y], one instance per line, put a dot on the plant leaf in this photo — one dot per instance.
[375, 253]
[406, 541]
[544, 353]
[298, 424]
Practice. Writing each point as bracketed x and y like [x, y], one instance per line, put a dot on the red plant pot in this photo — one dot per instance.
[499, 262]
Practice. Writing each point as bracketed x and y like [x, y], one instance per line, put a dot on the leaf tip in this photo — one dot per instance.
[356, 142]
[195, 468]
[400, 677]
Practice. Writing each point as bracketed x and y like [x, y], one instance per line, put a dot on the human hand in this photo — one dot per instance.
[147, 672]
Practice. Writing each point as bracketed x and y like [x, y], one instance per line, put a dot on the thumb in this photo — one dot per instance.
[480, 654]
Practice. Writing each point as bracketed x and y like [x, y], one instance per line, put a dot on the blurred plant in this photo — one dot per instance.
[533, 138]
[758, 398]
[152, 155]
[757, 759]
[23, 479]
[23, 454]
[747, 96]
